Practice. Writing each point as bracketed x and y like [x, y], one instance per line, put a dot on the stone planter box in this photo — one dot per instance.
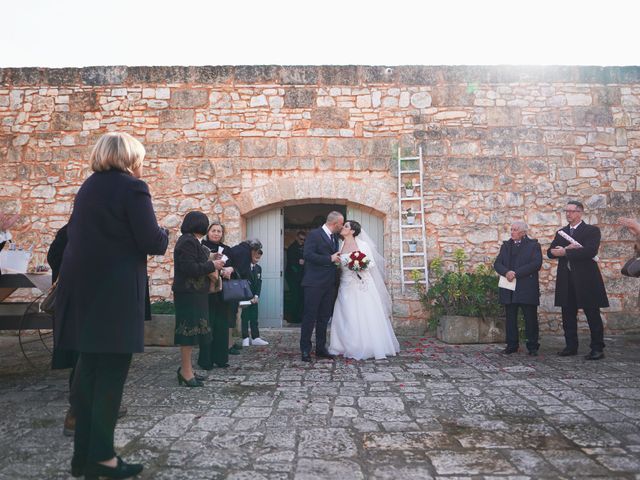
[457, 329]
[159, 330]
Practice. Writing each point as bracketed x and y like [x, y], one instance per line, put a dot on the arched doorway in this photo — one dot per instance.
[276, 228]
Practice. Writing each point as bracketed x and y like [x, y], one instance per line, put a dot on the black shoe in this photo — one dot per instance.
[306, 357]
[594, 355]
[533, 353]
[192, 382]
[325, 354]
[123, 470]
[234, 351]
[567, 352]
[509, 350]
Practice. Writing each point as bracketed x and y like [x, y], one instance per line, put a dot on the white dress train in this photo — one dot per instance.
[361, 325]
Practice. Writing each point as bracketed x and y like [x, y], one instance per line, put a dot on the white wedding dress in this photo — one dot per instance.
[361, 325]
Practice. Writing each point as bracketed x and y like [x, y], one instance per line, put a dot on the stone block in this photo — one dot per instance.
[86, 101]
[592, 117]
[329, 117]
[259, 147]
[189, 98]
[212, 75]
[222, 148]
[96, 76]
[158, 75]
[452, 96]
[458, 329]
[504, 116]
[61, 121]
[177, 119]
[160, 330]
[256, 74]
[299, 98]
[531, 150]
[344, 147]
[338, 75]
[300, 147]
[299, 75]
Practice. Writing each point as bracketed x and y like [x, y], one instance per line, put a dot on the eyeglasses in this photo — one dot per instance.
[572, 211]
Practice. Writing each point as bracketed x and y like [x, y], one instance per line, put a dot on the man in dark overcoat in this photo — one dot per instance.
[520, 258]
[320, 264]
[579, 282]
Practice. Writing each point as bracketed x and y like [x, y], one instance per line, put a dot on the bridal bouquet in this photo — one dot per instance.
[357, 262]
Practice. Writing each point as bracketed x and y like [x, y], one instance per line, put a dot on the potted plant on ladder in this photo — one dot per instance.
[409, 216]
[413, 244]
[408, 188]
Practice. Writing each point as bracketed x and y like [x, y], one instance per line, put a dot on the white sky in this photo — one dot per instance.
[76, 33]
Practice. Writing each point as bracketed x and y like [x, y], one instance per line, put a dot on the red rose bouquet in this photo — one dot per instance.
[357, 262]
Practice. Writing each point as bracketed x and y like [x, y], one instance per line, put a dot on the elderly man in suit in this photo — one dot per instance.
[319, 282]
[520, 259]
[579, 282]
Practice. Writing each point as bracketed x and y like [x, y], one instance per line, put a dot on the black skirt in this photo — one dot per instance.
[192, 318]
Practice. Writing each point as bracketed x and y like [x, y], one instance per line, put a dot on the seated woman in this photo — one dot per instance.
[193, 268]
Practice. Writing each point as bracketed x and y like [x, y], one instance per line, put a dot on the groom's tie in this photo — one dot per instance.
[334, 237]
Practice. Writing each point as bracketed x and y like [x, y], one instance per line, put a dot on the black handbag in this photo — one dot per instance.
[48, 305]
[236, 290]
[632, 268]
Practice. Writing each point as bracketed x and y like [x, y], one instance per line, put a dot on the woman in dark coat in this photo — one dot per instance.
[192, 267]
[221, 315]
[101, 295]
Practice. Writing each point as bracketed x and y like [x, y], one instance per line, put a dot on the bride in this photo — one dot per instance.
[361, 325]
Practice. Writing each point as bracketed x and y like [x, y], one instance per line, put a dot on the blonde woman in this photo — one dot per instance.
[101, 294]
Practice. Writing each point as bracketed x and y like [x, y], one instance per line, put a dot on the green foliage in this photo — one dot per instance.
[459, 292]
[163, 307]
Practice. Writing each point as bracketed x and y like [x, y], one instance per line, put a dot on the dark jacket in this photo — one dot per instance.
[255, 279]
[56, 250]
[101, 292]
[525, 260]
[319, 271]
[226, 250]
[585, 273]
[191, 266]
[241, 254]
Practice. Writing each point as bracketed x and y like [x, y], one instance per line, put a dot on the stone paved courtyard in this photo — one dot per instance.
[436, 411]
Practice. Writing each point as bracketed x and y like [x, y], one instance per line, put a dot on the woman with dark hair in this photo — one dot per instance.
[191, 281]
[221, 315]
[361, 325]
[101, 293]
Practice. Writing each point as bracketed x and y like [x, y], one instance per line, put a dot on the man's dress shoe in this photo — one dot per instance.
[510, 350]
[594, 355]
[306, 357]
[325, 354]
[567, 352]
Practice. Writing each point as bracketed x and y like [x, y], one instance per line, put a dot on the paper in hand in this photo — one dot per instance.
[504, 283]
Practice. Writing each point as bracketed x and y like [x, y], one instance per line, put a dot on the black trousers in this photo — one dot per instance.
[570, 322]
[249, 316]
[216, 351]
[318, 308]
[530, 314]
[98, 385]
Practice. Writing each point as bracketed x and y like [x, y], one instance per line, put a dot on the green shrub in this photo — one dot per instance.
[163, 307]
[458, 292]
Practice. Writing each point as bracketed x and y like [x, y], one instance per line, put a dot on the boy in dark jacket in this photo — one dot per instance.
[250, 312]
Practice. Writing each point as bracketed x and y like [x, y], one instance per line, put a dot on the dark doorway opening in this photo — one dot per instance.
[298, 220]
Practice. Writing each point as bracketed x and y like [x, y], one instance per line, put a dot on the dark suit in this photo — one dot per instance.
[525, 260]
[319, 283]
[249, 313]
[101, 297]
[579, 284]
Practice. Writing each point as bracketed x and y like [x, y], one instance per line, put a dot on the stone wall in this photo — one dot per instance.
[499, 143]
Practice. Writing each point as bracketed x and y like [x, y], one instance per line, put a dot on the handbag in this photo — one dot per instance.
[236, 290]
[48, 304]
[632, 267]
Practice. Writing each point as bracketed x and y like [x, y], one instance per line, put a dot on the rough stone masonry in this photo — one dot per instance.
[499, 143]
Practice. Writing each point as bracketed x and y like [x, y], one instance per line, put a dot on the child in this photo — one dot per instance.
[250, 312]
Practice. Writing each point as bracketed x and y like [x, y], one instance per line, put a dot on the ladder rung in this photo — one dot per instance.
[414, 268]
[411, 282]
[409, 158]
[416, 254]
[415, 225]
[409, 171]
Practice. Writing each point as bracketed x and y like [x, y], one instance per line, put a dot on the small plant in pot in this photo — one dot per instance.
[413, 245]
[462, 302]
[409, 216]
[408, 188]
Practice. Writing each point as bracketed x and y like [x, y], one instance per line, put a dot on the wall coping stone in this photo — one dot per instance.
[323, 75]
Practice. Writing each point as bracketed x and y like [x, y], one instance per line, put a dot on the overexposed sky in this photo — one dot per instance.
[76, 33]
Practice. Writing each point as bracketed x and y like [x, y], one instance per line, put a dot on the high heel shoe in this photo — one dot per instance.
[122, 470]
[192, 382]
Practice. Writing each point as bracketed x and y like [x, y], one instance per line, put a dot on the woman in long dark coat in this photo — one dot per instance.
[221, 315]
[101, 295]
[192, 267]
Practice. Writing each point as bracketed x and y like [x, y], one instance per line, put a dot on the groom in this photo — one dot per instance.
[319, 282]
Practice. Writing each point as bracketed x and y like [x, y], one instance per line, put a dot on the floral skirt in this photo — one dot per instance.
[192, 318]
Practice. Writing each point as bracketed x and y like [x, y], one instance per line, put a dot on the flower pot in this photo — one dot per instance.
[411, 220]
[408, 192]
[413, 247]
[458, 329]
